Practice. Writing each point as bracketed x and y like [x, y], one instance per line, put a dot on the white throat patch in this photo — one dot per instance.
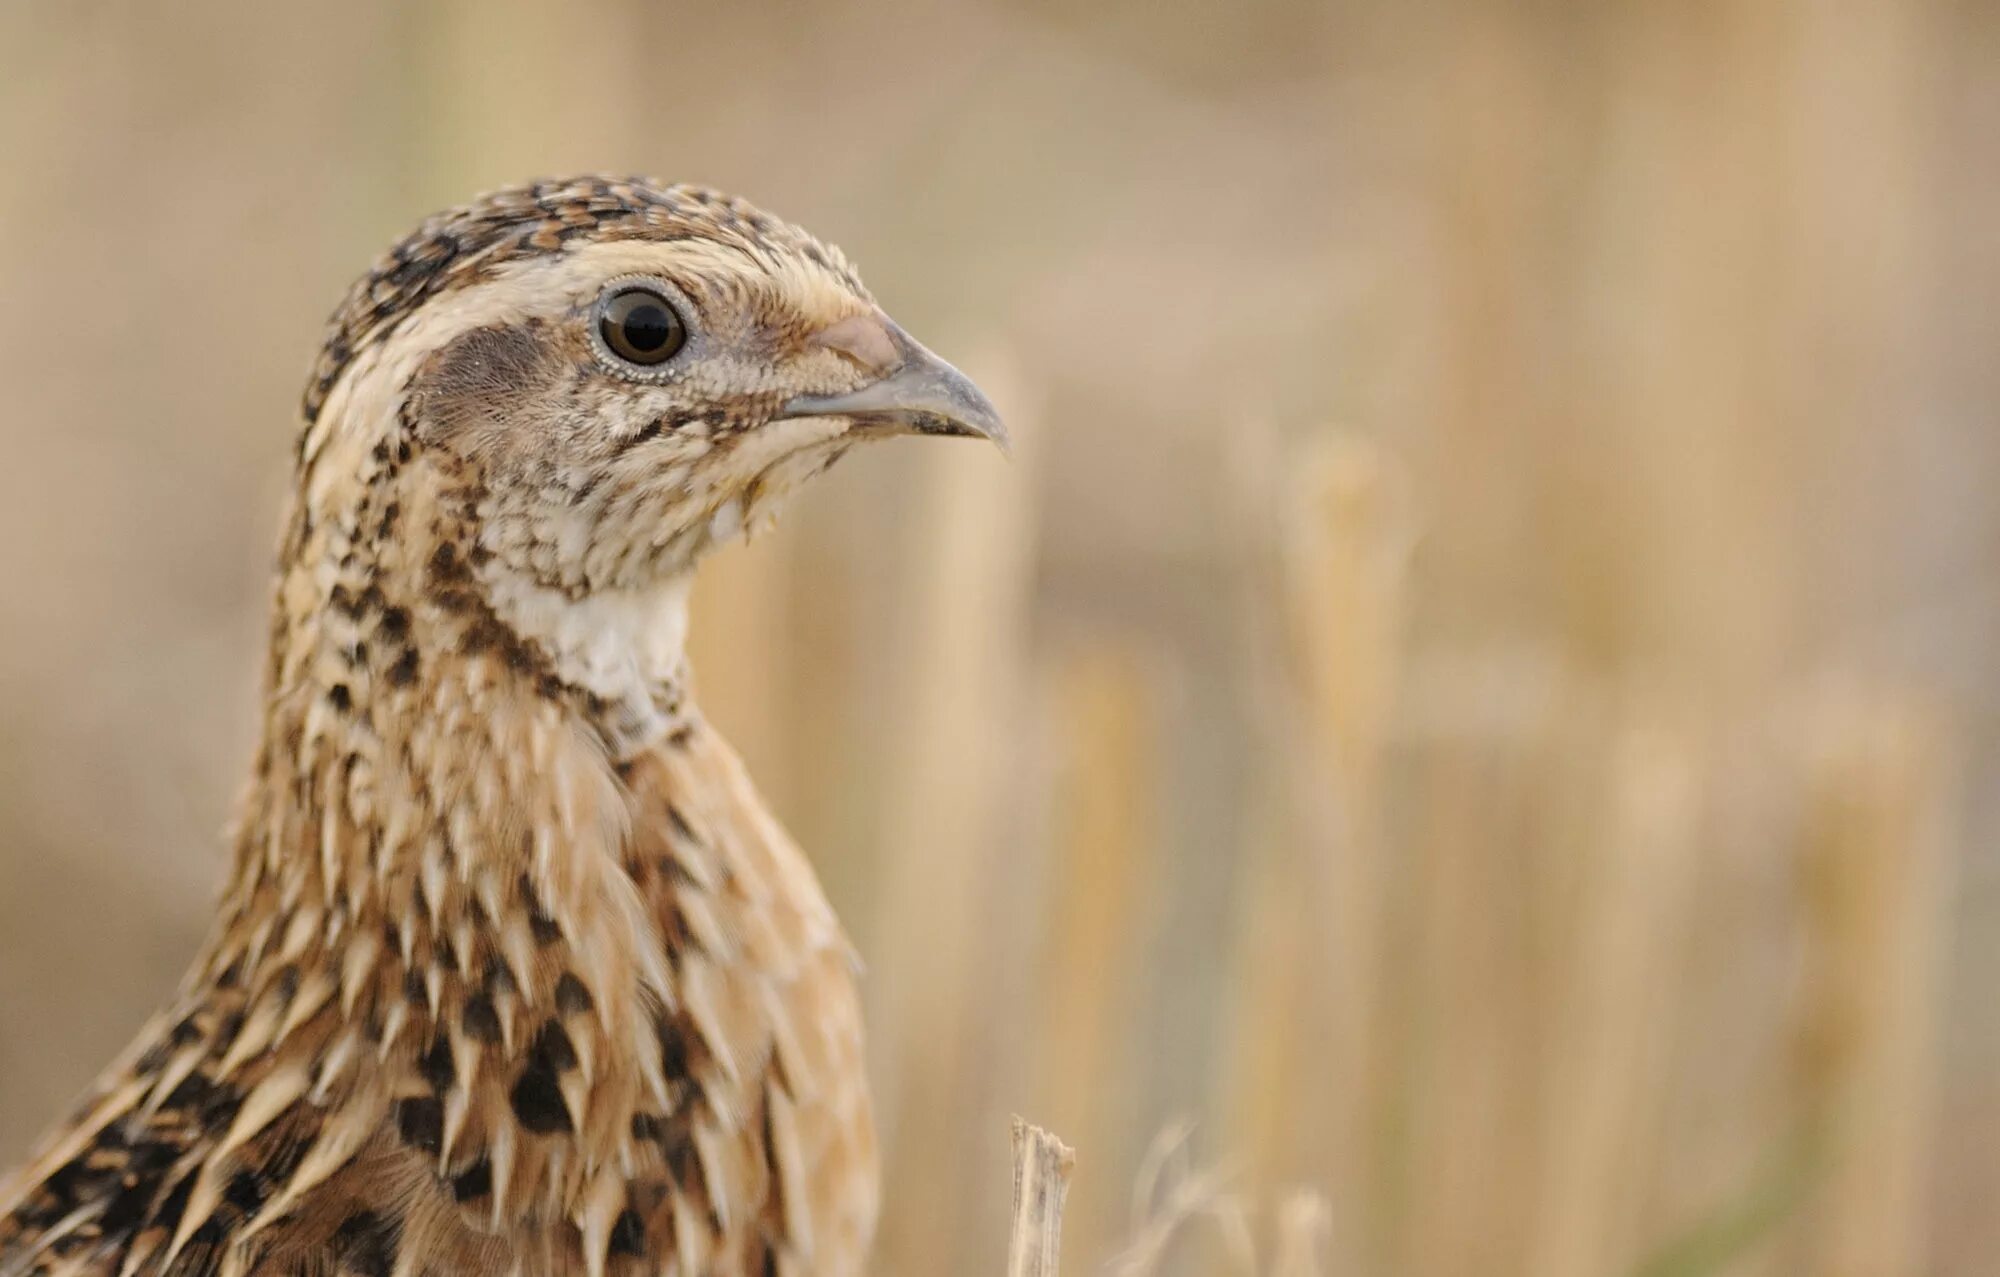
[627, 647]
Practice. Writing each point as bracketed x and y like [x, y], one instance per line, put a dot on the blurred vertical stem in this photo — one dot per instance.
[1104, 868]
[1875, 866]
[1603, 1093]
[951, 750]
[1303, 1220]
[1305, 1083]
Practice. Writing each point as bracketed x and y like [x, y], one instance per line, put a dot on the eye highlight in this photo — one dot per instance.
[636, 325]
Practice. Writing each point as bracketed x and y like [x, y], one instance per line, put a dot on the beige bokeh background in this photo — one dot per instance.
[1478, 690]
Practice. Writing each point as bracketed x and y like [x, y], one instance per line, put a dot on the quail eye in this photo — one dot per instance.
[640, 326]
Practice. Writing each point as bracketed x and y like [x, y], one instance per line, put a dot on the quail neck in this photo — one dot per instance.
[514, 971]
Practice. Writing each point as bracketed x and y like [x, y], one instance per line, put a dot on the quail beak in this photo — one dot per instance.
[914, 392]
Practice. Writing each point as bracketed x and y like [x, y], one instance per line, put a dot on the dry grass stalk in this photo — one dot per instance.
[1167, 1195]
[1170, 1195]
[1304, 1220]
[1347, 563]
[1876, 868]
[1102, 873]
[1304, 1078]
[956, 714]
[1603, 1109]
[1042, 1166]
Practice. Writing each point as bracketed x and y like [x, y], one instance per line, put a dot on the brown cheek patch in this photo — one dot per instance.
[468, 393]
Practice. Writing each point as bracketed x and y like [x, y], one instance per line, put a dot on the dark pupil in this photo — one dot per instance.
[641, 327]
[648, 327]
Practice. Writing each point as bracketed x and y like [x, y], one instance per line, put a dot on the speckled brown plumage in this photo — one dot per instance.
[514, 971]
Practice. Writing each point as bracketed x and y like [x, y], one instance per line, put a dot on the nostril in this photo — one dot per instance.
[867, 340]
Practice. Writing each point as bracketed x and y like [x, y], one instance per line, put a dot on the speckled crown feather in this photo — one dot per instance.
[466, 244]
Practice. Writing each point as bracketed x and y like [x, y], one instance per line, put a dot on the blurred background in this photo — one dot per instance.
[1475, 698]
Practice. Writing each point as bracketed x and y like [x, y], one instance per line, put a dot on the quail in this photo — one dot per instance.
[513, 971]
